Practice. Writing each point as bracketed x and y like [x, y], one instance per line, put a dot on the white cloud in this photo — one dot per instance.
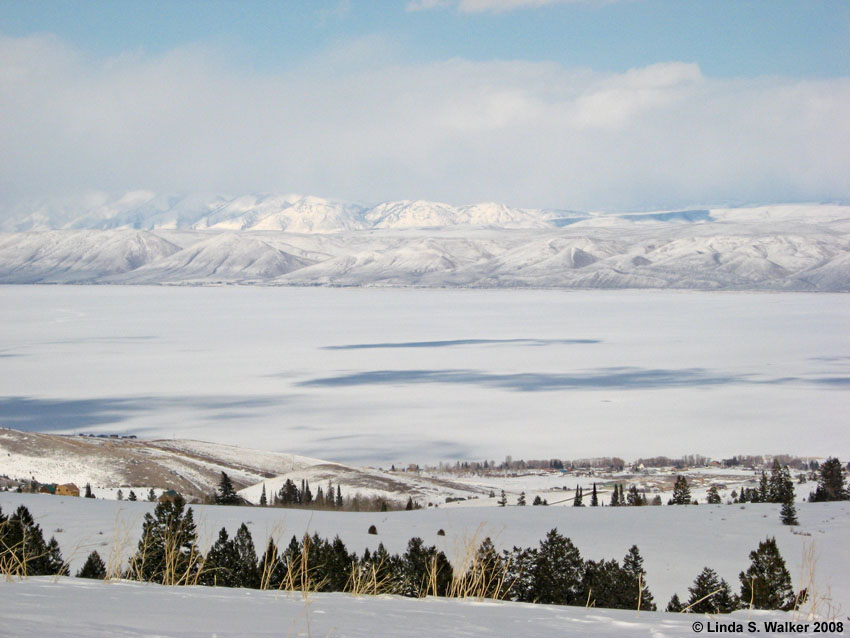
[526, 133]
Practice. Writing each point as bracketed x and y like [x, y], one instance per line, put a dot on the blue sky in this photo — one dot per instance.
[725, 37]
[583, 103]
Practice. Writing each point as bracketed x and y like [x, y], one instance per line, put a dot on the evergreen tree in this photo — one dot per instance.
[307, 498]
[675, 604]
[132, 496]
[713, 496]
[247, 573]
[521, 500]
[53, 559]
[167, 551]
[764, 489]
[594, 498]
[93, 567]
[151, 496]
[424, 569]
[615, 496]
[120, 495]
[338, 502]
[263, 499]
[830, 483]
[26, 553]
[635, 498]
[776, 484]
[557, 573]
[409, 505]
[88, 493]
[503, 500]
[226, 495]
[577, 501]
[220, 565]
[788, 513]
[272, 568]
[681, 492]
[601, 584]
[710, 594]
[766, 584]
[634, 582]
[519, 573]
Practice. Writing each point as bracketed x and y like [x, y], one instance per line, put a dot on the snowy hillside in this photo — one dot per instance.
[63, 608]
[293, 240]
[676, 542]
[194, 468]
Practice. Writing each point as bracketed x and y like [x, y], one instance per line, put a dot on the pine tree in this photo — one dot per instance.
[263, 500]
[830, 483]
[503, 500]
[681, 491]
[226, 495]
[93, 567]
[272, 568]
[120, 495]
[557, 573]
[764, 489]
[151, 496]
[339, 501]
[615, 496]
[577, 501]
[221, 564]
[766, 584]
[26, 553]
[247, 572]
[521, 500]
[788, 513]
[776, 485]
[88, 493]
[132, 496]
[713, 496]
[409, 505]
[675, 604]
[634, 582]
[710, 594]
[594, 499]
[167, 551]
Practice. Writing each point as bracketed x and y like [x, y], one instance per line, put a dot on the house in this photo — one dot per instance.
[168, 496]
[67, 489]
[49, 488]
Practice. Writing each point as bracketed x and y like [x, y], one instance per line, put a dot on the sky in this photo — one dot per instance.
[577, 104]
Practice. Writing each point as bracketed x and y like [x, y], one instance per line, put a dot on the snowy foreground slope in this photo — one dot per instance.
[285, 240]
[76, 608]
[675, 542]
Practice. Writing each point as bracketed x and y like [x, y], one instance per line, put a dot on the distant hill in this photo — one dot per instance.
[144, 238]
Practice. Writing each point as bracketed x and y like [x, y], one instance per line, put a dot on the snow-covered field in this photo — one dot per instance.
[73, 608]
[675, 541]
[394, 376]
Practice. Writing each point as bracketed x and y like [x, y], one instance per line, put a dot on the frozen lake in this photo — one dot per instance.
[396, 375]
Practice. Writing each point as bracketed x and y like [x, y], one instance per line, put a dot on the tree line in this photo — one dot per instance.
[553, 572]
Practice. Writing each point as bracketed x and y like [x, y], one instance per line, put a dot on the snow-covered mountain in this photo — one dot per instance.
[142, 237]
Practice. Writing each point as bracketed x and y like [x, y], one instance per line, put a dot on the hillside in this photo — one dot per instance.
[292, 240]
[194, 467]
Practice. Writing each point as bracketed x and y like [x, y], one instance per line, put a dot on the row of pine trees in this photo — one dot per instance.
[554, 572]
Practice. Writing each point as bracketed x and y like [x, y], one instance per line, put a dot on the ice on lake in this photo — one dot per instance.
[391, 375]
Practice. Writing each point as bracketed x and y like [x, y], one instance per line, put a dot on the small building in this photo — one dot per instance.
[168, 496]
[49, 488]
[67, 489]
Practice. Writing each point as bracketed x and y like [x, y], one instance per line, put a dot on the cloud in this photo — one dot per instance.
[351, 125]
